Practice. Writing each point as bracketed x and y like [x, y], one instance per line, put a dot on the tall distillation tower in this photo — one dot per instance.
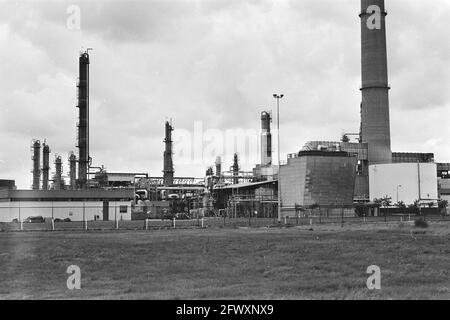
[83, 124]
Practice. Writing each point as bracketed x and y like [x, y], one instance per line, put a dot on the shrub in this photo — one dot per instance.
[420, 223]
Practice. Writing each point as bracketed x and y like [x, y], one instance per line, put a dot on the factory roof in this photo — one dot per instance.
[67, 195]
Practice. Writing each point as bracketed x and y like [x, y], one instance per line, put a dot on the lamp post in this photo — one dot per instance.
[399, 186]
[278, 97]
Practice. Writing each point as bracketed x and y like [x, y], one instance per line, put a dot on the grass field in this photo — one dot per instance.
[328, 262]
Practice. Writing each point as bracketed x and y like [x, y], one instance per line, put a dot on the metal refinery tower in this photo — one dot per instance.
[375, 128]
[168, 163]
[83, 125]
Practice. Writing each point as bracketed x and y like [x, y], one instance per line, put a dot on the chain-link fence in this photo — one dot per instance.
[92, 221]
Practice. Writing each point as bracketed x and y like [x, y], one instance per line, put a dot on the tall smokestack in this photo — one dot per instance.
[375, 128]
[36, 164]
[168, 163]
[45, 166]
[57, 179]
[266, 139]
[83, 125]
[73, 170]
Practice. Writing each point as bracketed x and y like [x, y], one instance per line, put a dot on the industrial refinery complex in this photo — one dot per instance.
[336, 175]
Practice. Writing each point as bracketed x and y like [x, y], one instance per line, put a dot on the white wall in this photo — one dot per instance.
[384, 179]
[62, 209]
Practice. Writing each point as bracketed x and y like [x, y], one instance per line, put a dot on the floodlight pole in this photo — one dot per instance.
[278, 97]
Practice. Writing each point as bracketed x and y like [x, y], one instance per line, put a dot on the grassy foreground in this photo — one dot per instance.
[328, 262]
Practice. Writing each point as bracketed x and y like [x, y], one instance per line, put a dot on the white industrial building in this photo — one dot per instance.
[405, 182]
[77, 205]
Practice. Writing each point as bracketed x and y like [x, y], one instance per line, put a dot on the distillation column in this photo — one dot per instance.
[73, 171]
[36, 164]
[266, 139]
[83, 125]
[168, 163]
[45, 166]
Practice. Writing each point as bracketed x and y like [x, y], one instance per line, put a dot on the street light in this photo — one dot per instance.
[278, 97]
[399, 186]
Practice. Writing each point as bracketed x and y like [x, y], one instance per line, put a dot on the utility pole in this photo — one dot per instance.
[278, 97]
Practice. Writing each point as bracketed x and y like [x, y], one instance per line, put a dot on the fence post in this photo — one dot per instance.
[202, 222]
[117, 224]
[174, 223]
[84, 217]
[310, 221]
[146, 224]
[285, 220]
[53, 224]
[21, 225]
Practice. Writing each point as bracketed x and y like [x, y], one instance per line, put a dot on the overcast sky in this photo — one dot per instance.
[215, 63]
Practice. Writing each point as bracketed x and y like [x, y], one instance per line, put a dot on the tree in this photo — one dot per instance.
[345, 138]
[443, 204]
[386, 201]
[401, 205]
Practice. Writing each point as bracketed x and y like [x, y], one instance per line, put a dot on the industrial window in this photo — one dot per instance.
[123, 209]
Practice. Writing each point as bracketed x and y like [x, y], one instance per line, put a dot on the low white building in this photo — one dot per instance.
[405, 182]
[77, 205]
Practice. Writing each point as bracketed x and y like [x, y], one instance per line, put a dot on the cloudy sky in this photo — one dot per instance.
[212, 64]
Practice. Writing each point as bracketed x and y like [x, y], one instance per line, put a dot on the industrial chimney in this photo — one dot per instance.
[45, 166]
[73, 170]
[266, 139]
[375, 128]
[168, 163]
[83, 125]
[57, 179]
[36, 164]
